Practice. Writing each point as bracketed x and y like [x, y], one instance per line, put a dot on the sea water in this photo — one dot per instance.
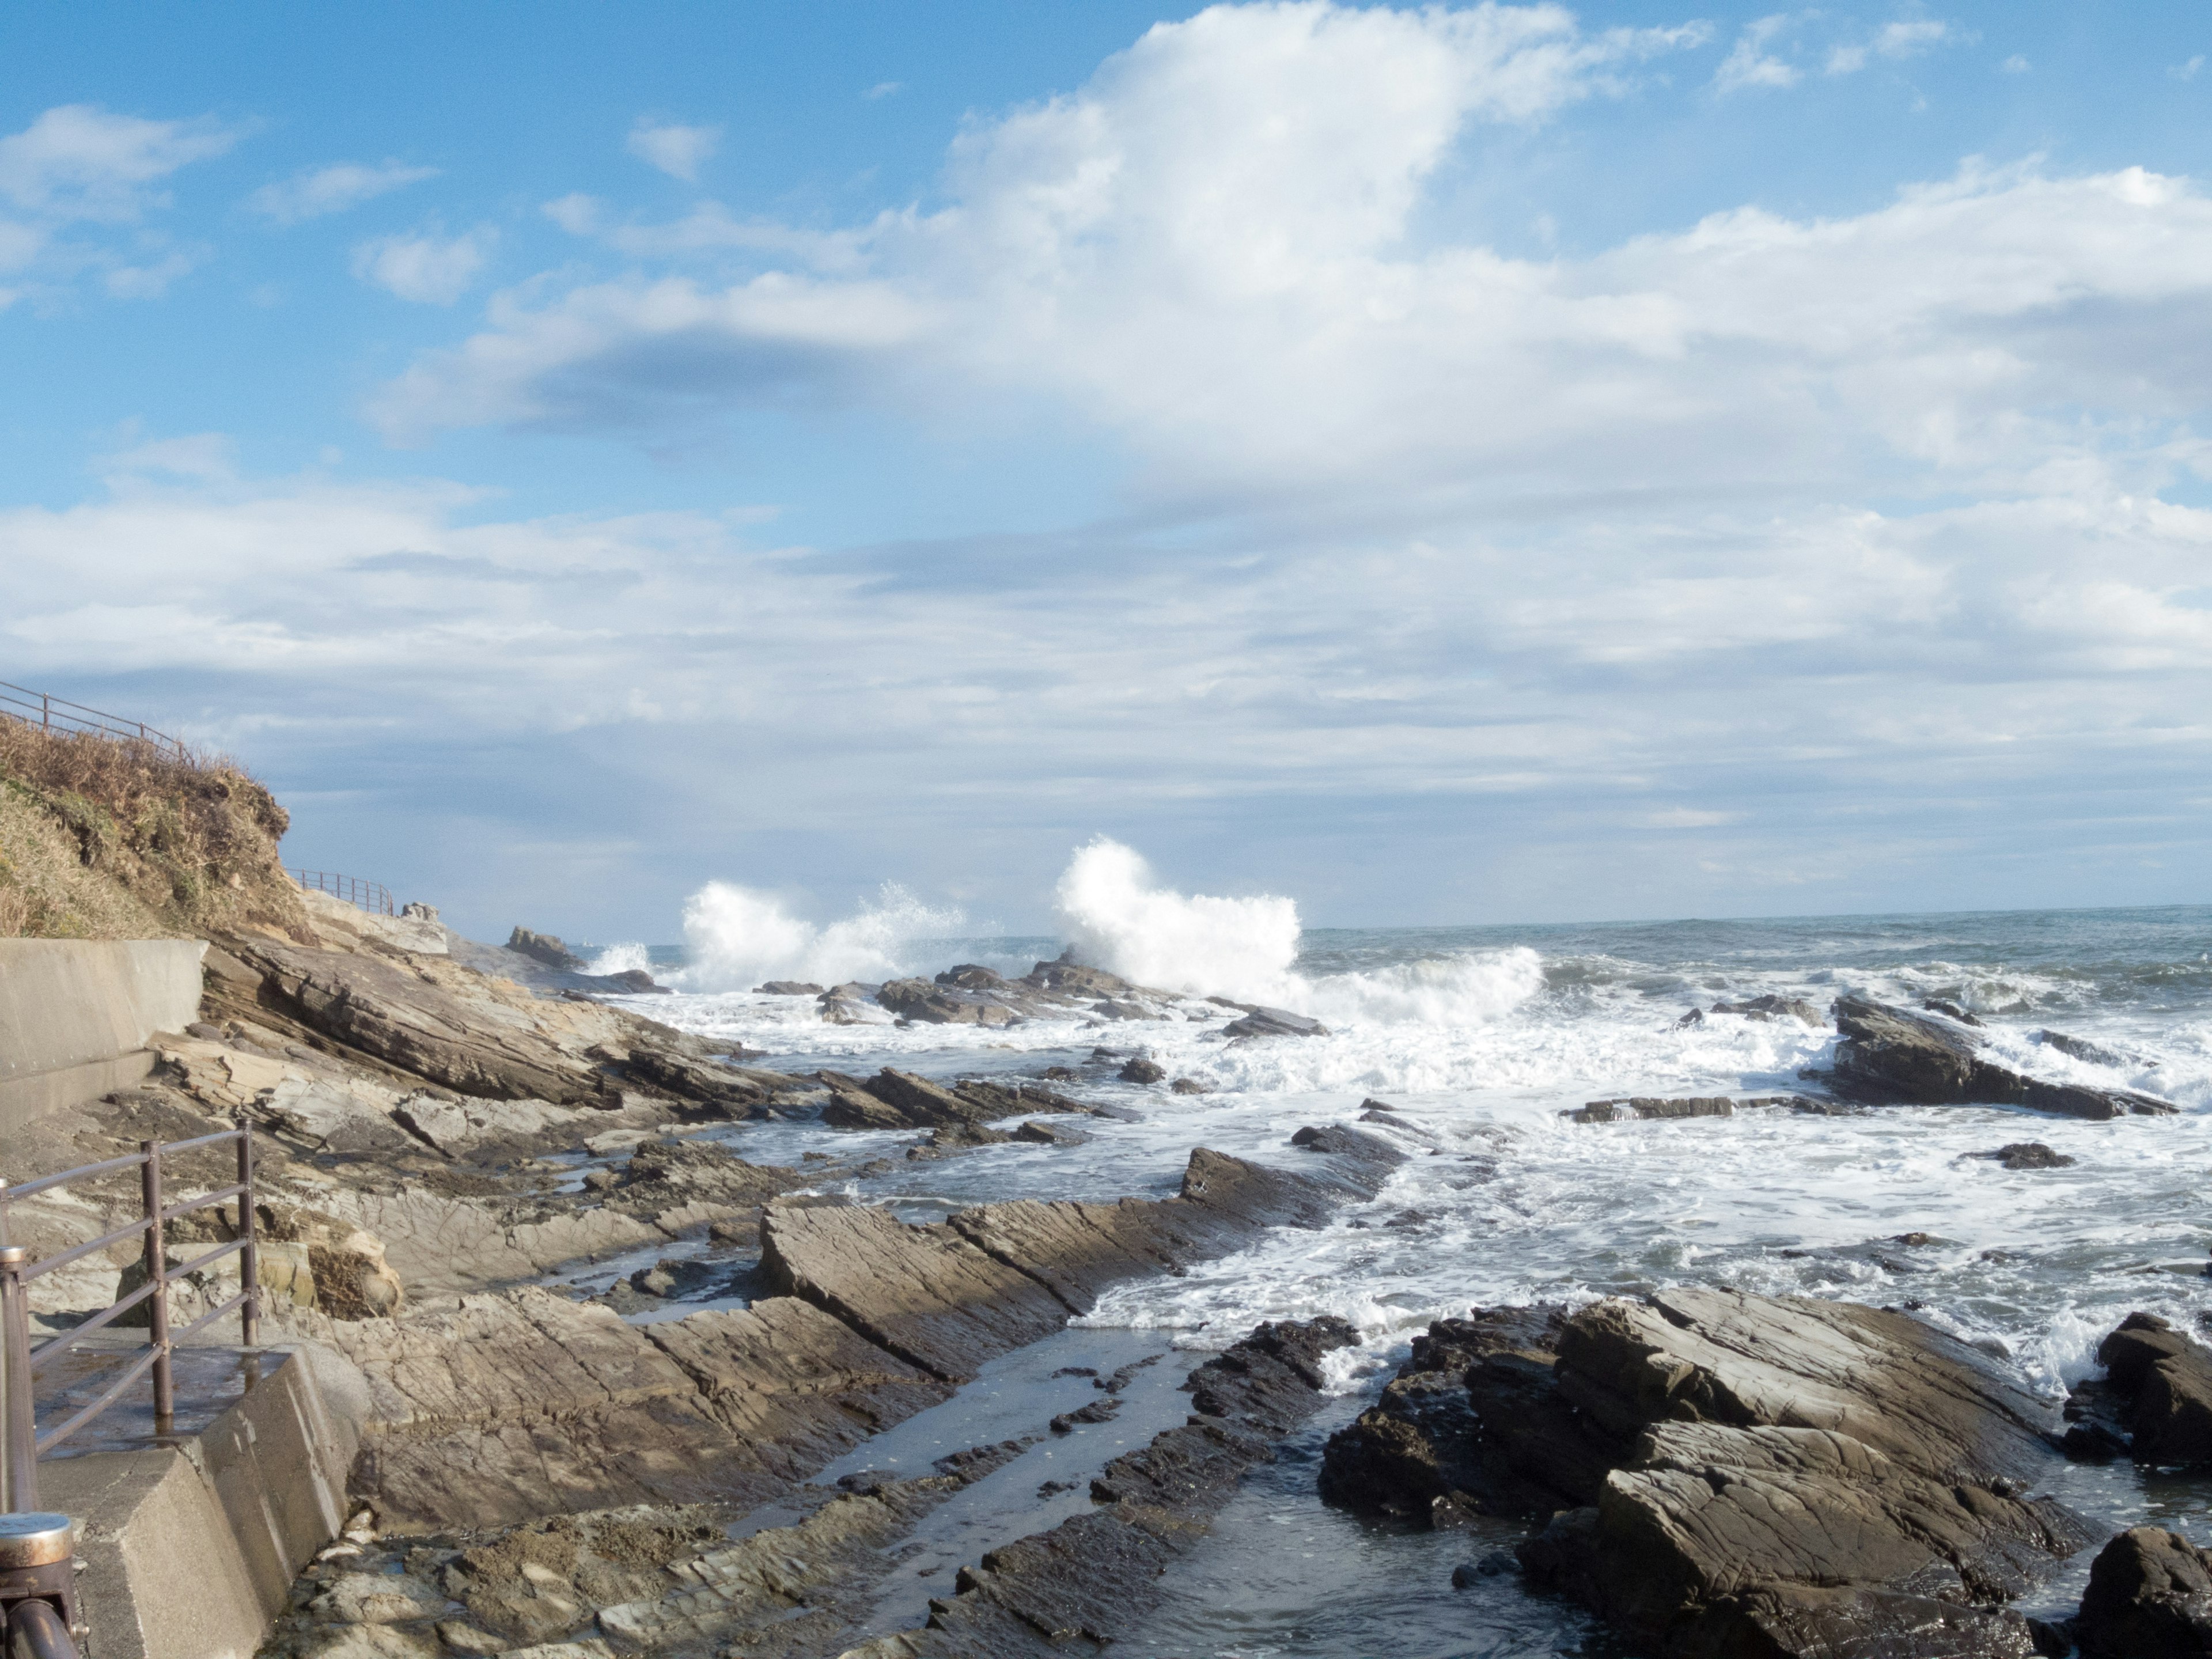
[1484, 1037]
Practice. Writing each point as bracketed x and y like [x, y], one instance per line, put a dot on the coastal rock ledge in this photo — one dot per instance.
[1732, 1475]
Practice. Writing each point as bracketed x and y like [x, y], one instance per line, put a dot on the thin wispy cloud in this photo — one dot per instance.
[1750, 64]
[315, 192]
[2187, 71]
[678, 151]
[883, 89]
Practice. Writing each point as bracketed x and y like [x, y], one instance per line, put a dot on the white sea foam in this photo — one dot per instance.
[736, 937]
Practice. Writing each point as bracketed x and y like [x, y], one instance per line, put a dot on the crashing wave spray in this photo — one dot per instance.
[1118, 918]
[738, 937]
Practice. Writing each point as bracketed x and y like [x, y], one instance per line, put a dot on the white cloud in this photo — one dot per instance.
[575, 213]
[313, 192]
[1910, 38]
[883, 89]
[79, 162]
[426, 269]
[2016, 64]
[72, 185]
[2187, 71]
[678, 151]
[1846, 60]
[1750, 64]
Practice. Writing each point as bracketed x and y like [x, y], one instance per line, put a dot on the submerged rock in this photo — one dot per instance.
[1142, 1071]
[1774, 1007]
[2027, 1155]
[1613, 1111]
[787, 987]
[1274, 1022]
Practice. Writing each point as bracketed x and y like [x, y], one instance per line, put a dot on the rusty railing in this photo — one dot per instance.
[23, 1443]
[52, 713]
[372, 896]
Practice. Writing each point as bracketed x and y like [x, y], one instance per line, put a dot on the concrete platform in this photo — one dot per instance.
[189, 1541]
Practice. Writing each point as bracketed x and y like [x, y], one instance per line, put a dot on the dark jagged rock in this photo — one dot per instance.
[787, 987]
[1774, 1007]
[1186, 1085]
[1642, 1106]
[2027, 1155]
[2153, 1403]
[1950, 1011]
[1274, 1022]
[1422, 1452]
[1889, 1055]
[546, 948]
[1735, 1474]
[971, 977]
[924, 1104]
[1142, 1071]
[1039, 1133]
[2149, 1597]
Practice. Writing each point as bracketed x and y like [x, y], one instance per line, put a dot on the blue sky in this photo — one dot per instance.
[1483, 464]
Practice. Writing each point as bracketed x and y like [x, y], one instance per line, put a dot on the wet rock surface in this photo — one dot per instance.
[2149, 1597]
[1891, 1055]
[2152, 1404]
[1732, 1473]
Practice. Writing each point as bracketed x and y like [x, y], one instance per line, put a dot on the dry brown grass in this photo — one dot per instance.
[190, 840]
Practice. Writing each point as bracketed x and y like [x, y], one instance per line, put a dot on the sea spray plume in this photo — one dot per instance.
[1117, 919]
[736, 937]
[621, 959]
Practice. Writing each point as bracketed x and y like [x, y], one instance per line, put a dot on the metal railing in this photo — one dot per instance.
[372, 896]
[20, 1441]
[52, 713]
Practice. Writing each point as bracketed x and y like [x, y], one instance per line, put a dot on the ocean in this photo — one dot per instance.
[1484, 1037]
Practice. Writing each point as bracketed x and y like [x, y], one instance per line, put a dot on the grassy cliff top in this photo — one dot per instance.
[114, 838]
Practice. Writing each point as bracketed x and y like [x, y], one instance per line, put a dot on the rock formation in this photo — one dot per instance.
[1731, 1474]
[1888, 1056]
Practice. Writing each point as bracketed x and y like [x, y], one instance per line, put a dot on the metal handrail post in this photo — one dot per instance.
[21, 1429]
[249, 1259]
[157, 1274]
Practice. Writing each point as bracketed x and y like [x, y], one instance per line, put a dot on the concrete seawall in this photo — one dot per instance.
[189, 1549]
[75, 1015]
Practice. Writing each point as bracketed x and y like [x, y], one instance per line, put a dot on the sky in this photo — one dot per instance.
[1494, 463]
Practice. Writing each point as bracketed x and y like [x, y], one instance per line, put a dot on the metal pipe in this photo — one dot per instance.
[21, 1429]
[249, 1260]
[157, 1273]
[36, 1630]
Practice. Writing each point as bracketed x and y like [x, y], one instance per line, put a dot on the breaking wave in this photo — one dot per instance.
[1118, 917]
[736, 937]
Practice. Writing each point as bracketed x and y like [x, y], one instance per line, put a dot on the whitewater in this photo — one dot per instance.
[1484, 1037]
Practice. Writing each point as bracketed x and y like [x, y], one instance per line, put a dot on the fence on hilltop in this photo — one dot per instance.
[53, 714]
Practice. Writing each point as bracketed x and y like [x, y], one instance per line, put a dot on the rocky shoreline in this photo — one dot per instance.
[449, 1126]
